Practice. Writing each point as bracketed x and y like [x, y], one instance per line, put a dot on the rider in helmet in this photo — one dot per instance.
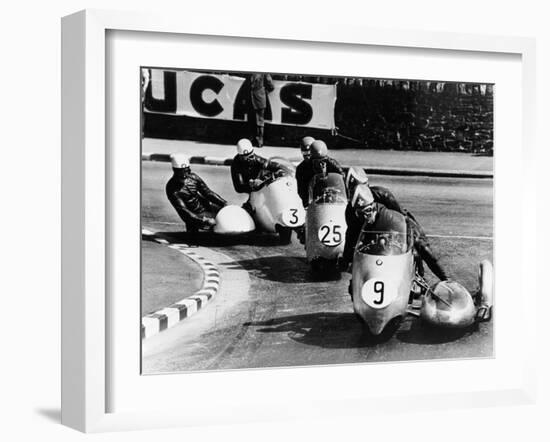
[305, 147]
[319, 162]
[247, 167]
[195, 203]
[382, 195]
[367, 213]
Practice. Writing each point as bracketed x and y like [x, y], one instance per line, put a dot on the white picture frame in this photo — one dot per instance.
[85, 216]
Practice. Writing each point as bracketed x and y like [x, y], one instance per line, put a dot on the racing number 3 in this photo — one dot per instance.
[379, 289]
[330, 236]
[293, 217]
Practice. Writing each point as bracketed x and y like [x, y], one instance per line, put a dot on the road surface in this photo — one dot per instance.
[286, 318]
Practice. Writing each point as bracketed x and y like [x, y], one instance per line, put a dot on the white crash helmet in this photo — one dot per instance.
[244, 147]
[354, 177]
[362, 196]
[179, 161]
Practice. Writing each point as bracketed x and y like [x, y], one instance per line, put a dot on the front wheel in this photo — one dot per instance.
[389, 330]
[285, 234]
[325, 269]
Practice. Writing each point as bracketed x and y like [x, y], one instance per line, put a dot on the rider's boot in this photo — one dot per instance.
[260, 136]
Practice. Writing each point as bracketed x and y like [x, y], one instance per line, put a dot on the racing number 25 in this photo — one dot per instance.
[379, 289]
[331, 236]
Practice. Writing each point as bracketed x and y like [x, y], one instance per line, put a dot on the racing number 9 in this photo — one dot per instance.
[330, 234]
[378, 293]
[379, 289]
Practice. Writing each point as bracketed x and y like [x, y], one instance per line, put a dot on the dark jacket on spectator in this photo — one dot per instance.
[260, 86]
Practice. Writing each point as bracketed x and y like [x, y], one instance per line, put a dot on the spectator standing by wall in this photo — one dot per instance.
[260, 86]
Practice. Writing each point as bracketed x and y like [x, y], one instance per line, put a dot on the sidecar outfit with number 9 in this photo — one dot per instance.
[326, 220]
[383, 273]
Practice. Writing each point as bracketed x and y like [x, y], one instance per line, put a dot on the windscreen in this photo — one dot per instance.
[327, 189]
[389, 235]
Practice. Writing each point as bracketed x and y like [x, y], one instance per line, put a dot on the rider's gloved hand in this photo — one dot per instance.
[208, 222]
[255, 183]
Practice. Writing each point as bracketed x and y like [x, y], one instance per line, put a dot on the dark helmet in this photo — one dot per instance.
[305, 146]
[318, 149]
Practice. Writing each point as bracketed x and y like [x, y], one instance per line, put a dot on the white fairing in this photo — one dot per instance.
[381, 287]
[325, 231]
[233, 220]
[448, 304]
[278, 203]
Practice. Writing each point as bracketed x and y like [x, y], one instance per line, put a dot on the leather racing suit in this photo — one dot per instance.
[420, 241]
[249, 167]
[194, 201]
[310, 167]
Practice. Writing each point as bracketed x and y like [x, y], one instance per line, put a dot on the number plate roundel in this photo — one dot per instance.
[378, 293]
[331, 234]
[292, 217]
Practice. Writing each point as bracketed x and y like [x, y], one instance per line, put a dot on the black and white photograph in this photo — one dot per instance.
[293, 220]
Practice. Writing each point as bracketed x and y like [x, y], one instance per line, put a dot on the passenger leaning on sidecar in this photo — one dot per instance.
[195, 203]
[356, 176]
[318, 162]
[365, 213]
[247, 169]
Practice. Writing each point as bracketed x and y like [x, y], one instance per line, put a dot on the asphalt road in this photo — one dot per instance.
[289, 319]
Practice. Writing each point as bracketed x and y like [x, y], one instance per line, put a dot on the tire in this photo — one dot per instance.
[285, 234]
[486, 283]
[325, 270]
[317, 268]
[389, 331]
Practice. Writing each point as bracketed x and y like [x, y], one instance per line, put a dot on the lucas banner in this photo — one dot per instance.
[226, 97]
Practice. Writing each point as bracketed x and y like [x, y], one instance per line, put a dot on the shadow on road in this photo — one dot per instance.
[283, 268]
[323, 329]
[279, 268]
[209, 239]
[344, 330]
[421, 333]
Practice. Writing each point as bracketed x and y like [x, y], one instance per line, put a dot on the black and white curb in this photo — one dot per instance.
[167, 317]
[395, 171]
